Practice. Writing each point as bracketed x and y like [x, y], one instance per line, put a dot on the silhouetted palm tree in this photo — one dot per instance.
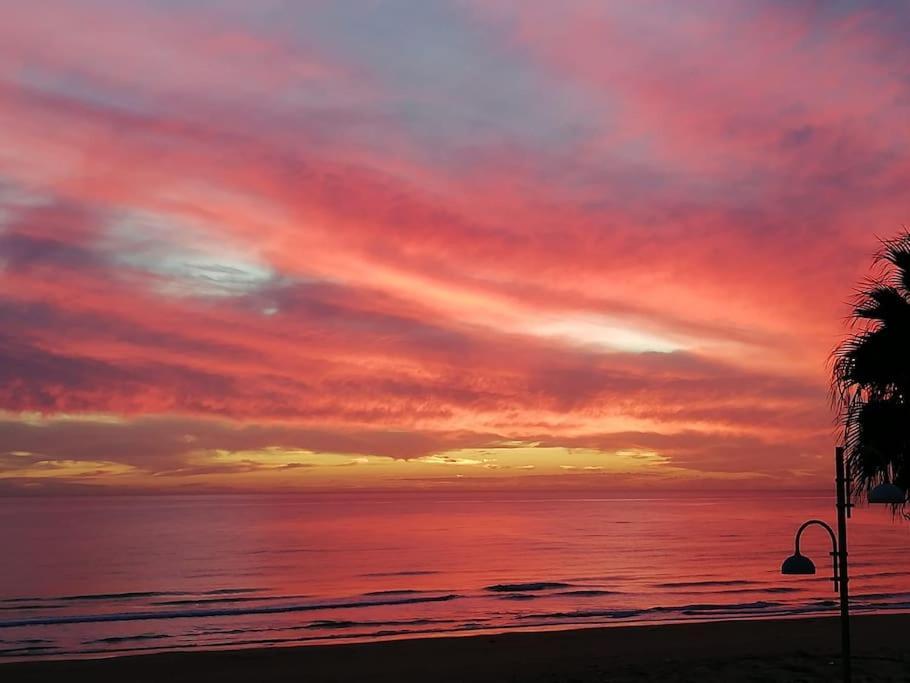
[871, 372]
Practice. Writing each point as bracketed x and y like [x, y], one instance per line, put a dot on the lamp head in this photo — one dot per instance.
[887, 494]
[797, 564]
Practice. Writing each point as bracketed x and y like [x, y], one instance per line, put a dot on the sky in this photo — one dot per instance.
[511, 245]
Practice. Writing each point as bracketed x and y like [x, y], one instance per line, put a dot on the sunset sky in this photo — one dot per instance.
[436, 245]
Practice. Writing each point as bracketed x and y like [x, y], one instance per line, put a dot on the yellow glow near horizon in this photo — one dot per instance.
[64, 469]
[293, 468]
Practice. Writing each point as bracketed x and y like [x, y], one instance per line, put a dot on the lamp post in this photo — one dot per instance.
[797, 563]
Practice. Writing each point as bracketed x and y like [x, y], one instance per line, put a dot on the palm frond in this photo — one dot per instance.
[870, 372]
[894, 255]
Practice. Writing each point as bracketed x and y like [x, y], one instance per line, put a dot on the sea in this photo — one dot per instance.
[108, 576]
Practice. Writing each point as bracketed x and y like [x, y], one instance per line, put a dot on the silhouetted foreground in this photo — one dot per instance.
[791, 650]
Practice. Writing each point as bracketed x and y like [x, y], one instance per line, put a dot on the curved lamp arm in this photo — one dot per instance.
[834, 552]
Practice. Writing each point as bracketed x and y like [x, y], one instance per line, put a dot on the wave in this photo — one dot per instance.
[402, 630]
[879, 596]
[224, 612]
[875, 575]
[470, 626]
[328, 630]
[715, 607]
[28, 650]
[769, 589]
[752, 599]
[218, 601]
[330, 624]
[132, 595]
[112, 640]
[582, 593]
[522, 587]
[322, 623]
[872, 606]
[682, 609]
[402, 573]
[699, 584]
[587, 614]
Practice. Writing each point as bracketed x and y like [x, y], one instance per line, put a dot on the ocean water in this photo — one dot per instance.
[116, 575]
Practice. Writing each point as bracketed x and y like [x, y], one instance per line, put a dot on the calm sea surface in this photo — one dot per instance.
[122, 575]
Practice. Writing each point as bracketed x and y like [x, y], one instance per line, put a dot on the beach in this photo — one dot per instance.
[760, 650]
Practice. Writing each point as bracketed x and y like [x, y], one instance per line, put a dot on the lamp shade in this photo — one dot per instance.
[888, 494]
[797, 564]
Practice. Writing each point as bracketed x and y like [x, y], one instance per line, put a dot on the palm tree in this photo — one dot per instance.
[871, 372]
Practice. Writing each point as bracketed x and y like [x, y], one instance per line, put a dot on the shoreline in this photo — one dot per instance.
[774, 649]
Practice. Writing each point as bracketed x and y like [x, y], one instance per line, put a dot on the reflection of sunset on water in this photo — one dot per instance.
[103, 574]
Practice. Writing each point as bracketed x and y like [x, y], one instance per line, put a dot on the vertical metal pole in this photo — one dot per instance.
[842, 509]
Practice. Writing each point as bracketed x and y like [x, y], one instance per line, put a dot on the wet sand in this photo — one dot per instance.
[786, 650]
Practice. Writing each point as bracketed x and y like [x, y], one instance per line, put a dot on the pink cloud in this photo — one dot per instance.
[212, 219]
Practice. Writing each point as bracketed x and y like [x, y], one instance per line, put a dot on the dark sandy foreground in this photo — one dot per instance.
[788, 650]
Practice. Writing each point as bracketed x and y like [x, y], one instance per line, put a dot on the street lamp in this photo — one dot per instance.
[798, 564]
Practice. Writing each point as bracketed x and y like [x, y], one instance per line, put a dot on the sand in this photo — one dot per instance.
[786, 650]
